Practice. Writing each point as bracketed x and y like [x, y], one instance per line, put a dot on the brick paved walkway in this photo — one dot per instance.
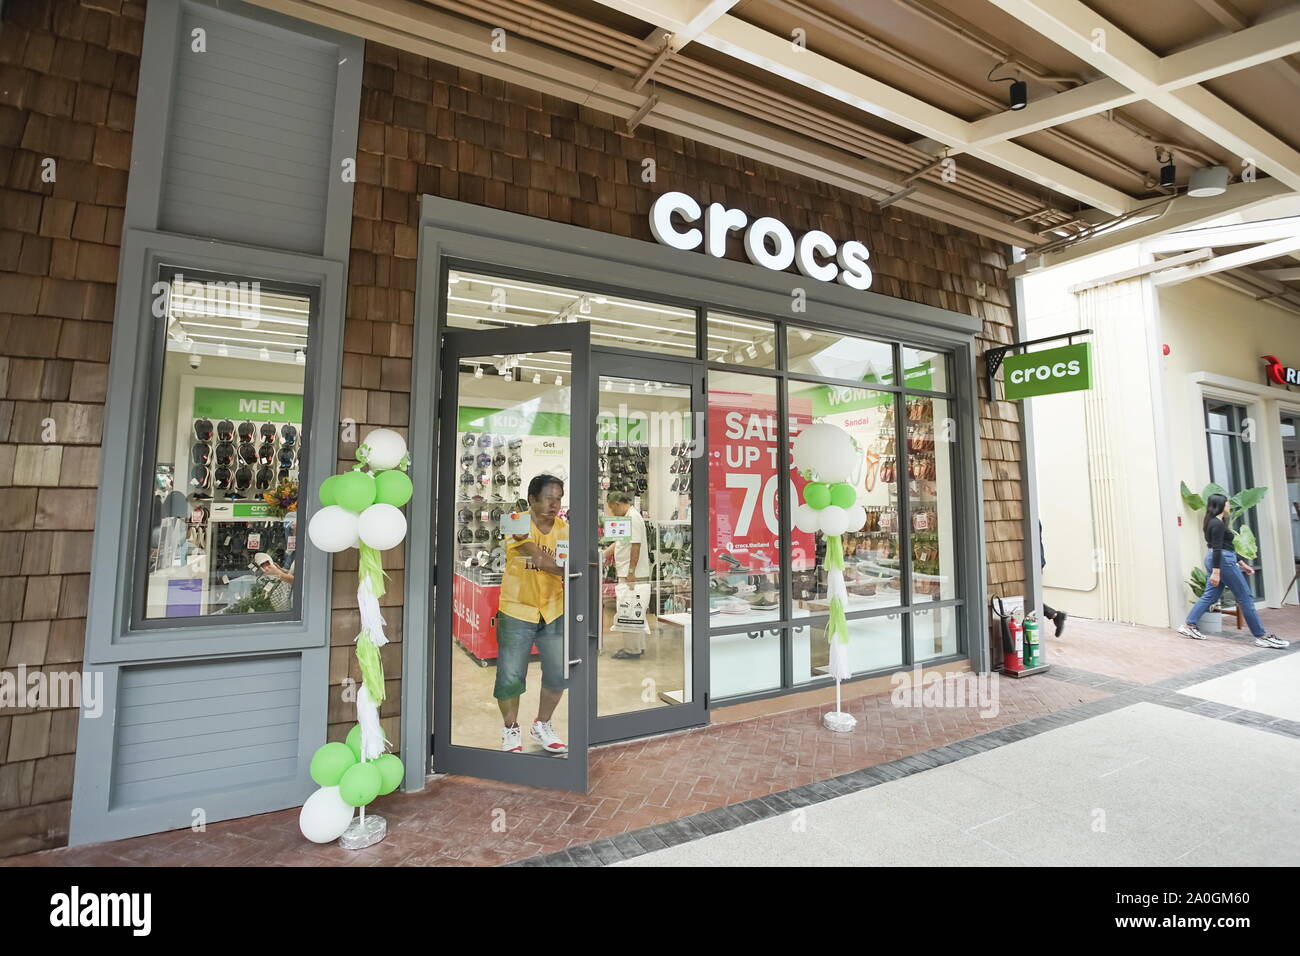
[465, 821]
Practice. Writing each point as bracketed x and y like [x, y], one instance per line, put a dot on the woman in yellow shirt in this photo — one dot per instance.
[532, 612]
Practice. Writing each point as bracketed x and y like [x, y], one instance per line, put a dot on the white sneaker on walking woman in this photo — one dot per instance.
[1187, 630]
[1272, 640]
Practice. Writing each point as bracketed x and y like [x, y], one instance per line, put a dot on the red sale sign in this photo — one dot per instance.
[745, 463]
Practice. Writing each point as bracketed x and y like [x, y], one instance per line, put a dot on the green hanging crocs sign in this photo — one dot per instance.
[1065, 369]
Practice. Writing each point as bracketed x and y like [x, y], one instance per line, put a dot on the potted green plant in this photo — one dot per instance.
[1244, 541]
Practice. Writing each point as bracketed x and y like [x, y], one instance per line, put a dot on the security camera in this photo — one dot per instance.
[196, 360]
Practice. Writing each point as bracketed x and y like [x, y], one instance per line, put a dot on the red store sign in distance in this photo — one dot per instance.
[1279, 373]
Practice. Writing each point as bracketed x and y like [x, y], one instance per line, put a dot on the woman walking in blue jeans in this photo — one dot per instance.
[1224, 567]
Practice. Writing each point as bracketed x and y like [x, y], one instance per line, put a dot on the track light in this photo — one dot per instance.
[1168, 171]
[478, 371]
[559, 380]
[300, 356]
[537, 378]
[1019, 95]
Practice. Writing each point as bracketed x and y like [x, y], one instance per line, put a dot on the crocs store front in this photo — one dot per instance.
[629, 407]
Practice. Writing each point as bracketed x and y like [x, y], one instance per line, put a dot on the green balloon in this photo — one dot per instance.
[330, 762]
[354, 741]
[844, 495]
[392, 488]
[327, 491]
[817, 495]
[354, 490]
[360, 784]
[391, 772]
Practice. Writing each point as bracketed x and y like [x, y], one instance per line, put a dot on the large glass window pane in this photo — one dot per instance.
[872, 563]
[831, 355]
[477, 301]
[875, 643]
[925, 370]
[934, 633]
[744, 527]
[512, 549]
[645, 454]
[744, 663]
[931, 458]
[227, 464]
[736, 340]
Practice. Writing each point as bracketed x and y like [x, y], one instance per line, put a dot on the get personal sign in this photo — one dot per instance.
[1065, 369]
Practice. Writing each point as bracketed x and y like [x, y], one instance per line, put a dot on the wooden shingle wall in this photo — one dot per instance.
[68, 75]
[427, 127]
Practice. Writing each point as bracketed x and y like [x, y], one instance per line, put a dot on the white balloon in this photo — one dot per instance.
[384, 447]
[827, 451]
[333, 528]
[805, 519]
[381, 527]
[857, 518]
[833, 520]
[324, 816]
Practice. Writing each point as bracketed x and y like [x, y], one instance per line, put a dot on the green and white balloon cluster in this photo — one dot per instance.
[828, 456]
[361, 510]
[831, 460]
[346, 782]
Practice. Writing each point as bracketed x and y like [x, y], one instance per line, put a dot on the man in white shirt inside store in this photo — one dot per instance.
[632, 565]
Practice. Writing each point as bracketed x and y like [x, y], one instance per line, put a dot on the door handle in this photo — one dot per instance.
[569, 576]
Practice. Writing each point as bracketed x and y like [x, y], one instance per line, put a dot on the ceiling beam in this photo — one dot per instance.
[777, 54]
[1282, 275]
[1233, 260]
[1234, 234]
[1182, 212]
[1048, 111]
[421, 29]
[1080, 31]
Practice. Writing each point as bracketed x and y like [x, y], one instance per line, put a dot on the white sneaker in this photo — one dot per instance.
[512, 739]
[1271, 640]
[1188, 631]
[544, 734]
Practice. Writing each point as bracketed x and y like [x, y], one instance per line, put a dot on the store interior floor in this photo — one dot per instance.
[623, 686]
[640, 786]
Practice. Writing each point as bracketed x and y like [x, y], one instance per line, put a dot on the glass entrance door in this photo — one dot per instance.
[649, 662]
[514, 508]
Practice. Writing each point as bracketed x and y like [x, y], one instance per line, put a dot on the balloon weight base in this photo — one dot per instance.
[363, 833]
[839, 722]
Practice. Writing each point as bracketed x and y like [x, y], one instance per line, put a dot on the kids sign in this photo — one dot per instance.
[1065, 369]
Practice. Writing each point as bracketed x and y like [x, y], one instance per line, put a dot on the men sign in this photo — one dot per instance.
[1065, 369]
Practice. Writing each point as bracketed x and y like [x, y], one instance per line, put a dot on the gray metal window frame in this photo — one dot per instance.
[113, 642]
[493, 240]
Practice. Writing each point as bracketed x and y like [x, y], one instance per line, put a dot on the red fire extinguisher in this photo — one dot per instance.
[1014, 658]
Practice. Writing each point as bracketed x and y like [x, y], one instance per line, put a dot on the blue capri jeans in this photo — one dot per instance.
[1230, 576]
[515, 640]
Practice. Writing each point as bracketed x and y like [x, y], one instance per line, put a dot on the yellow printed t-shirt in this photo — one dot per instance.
[526, 593]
